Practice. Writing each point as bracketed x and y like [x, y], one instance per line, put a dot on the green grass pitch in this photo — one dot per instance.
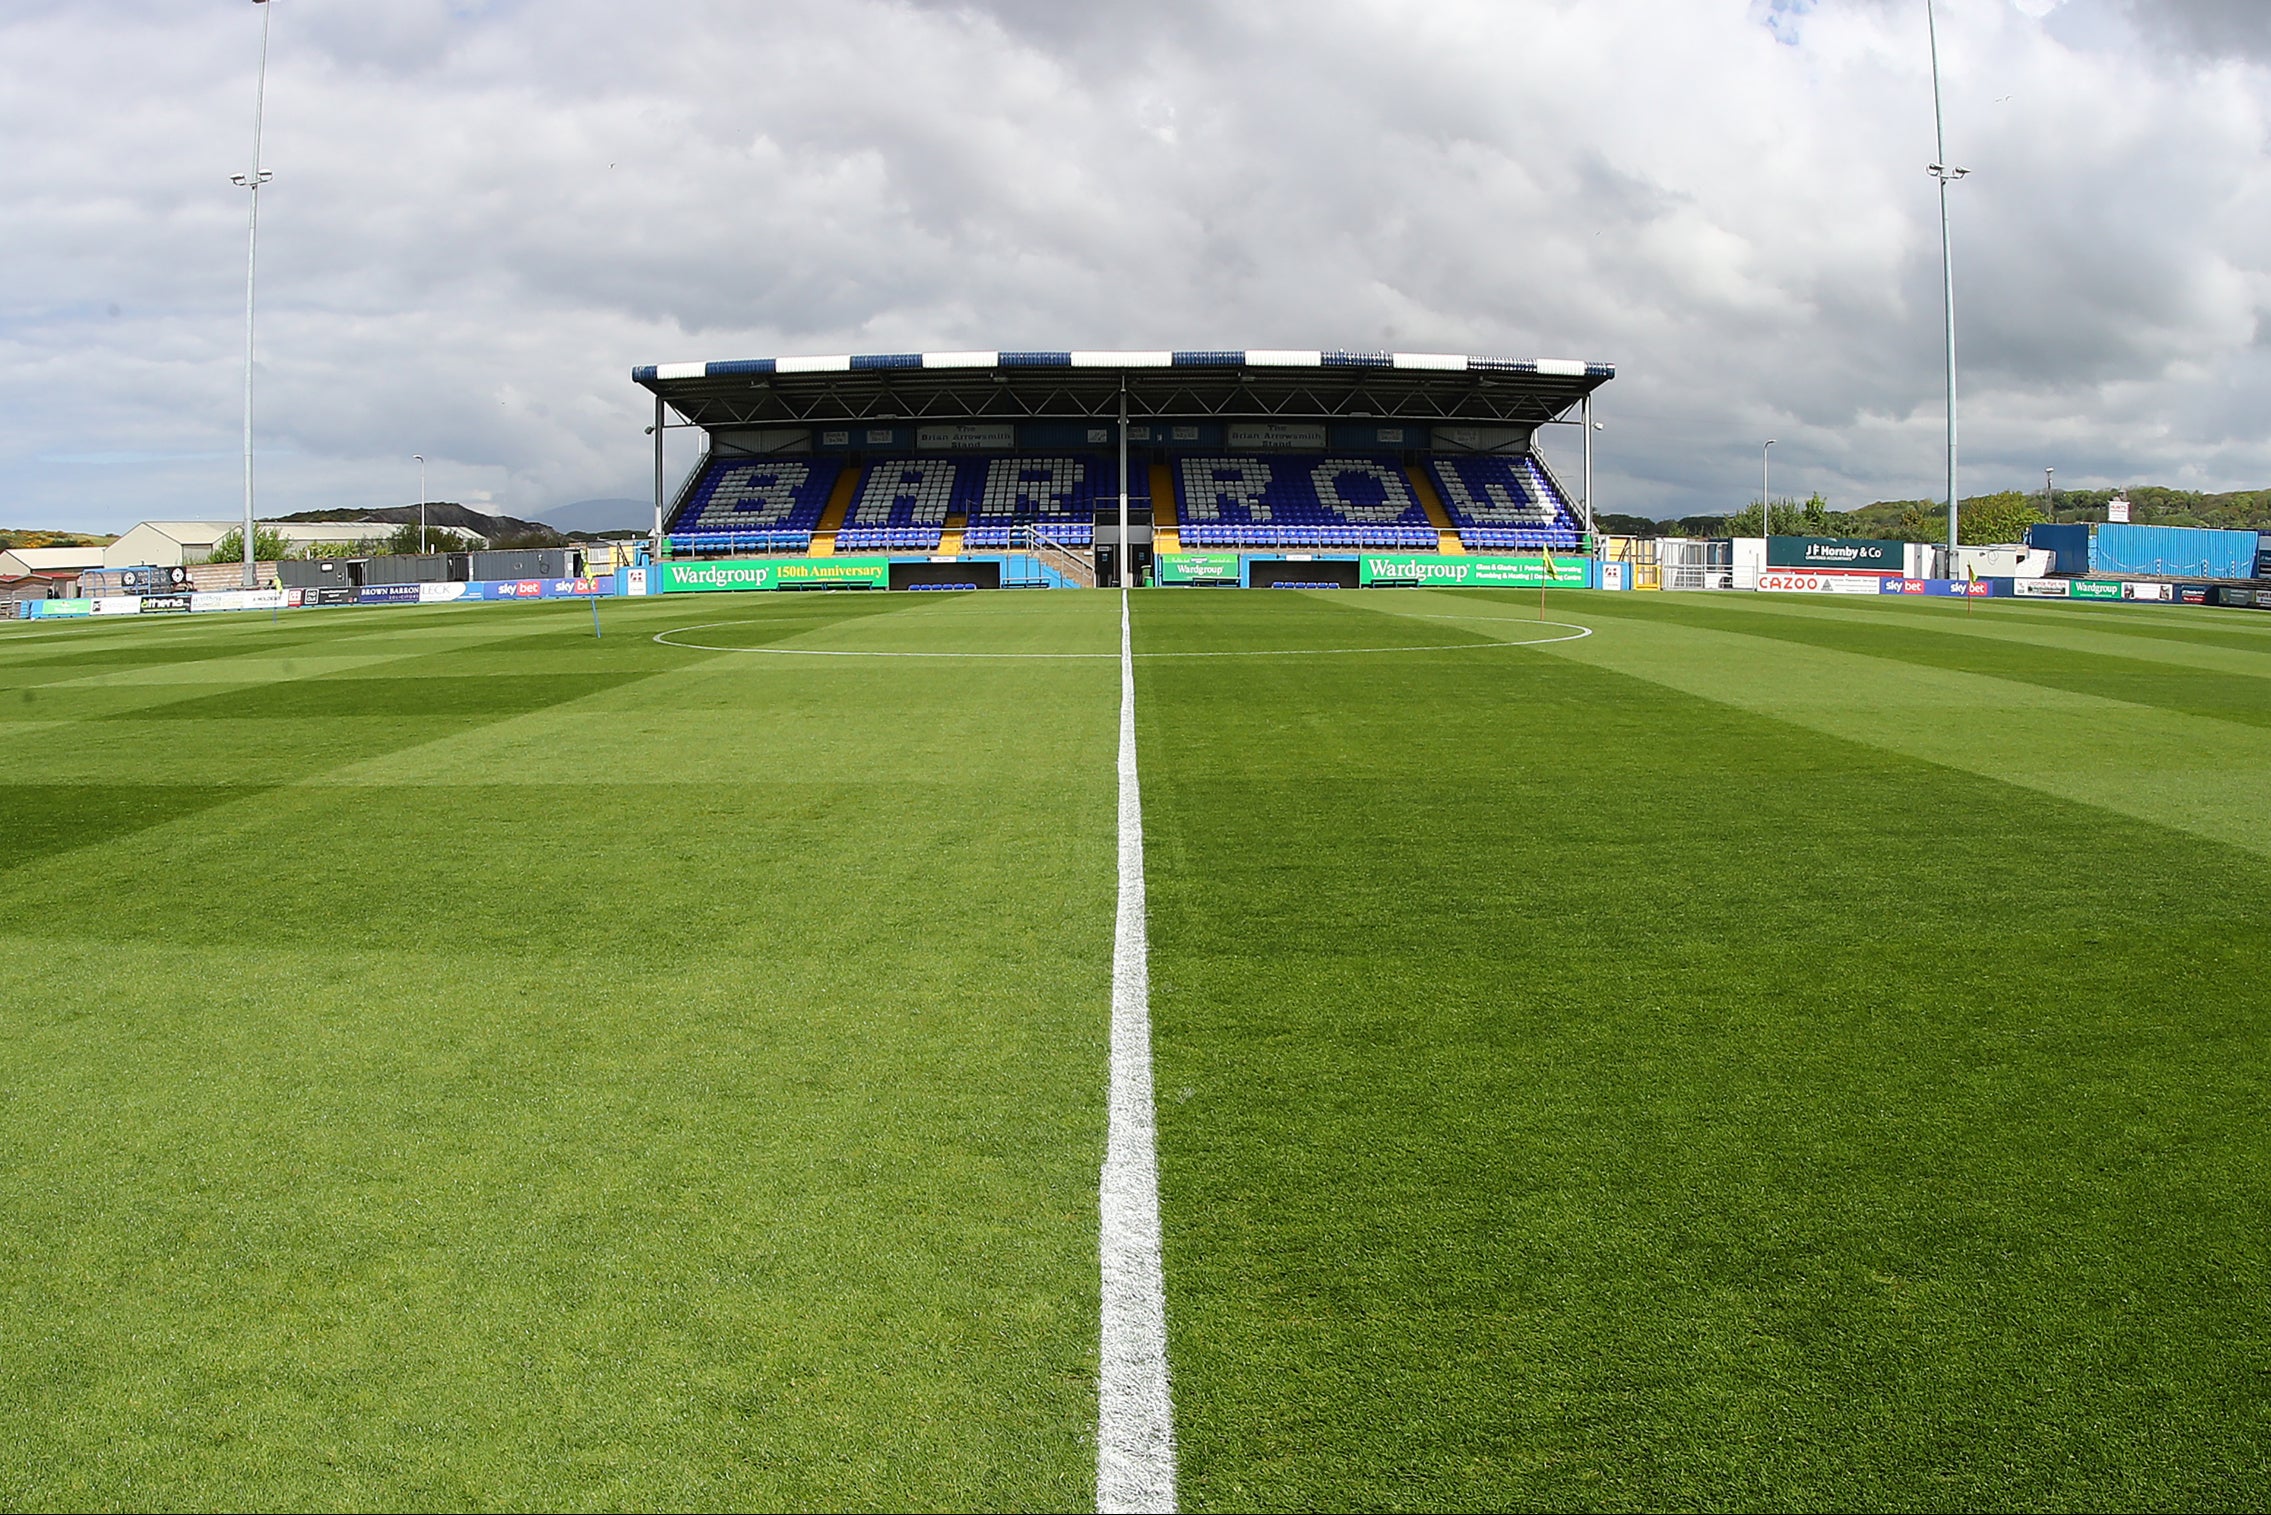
[1767, 1052]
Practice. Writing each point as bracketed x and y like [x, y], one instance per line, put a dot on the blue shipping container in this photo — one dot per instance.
[2173, 552]
[2069, 545]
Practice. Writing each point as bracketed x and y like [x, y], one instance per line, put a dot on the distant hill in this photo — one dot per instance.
[11, 536]
[602, 516]
[448, 515]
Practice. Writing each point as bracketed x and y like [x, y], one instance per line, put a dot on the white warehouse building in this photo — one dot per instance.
[173, 544]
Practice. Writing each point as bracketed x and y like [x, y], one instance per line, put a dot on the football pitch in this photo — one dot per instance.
[1700, 1051]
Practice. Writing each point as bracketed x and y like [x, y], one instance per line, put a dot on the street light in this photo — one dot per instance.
[2049, 494]
[420, 459]
[252, 181]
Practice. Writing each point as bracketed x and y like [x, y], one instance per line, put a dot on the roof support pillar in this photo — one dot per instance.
[1585, 419]
[1127, 550]
[656, 554]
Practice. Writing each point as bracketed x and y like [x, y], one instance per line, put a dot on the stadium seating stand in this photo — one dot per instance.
[1297, 500]
[1504, 501]
[744, 504]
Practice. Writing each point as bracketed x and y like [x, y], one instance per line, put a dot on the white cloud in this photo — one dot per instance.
[485, 214]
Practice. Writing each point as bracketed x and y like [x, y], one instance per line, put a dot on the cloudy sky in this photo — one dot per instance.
[486, 211]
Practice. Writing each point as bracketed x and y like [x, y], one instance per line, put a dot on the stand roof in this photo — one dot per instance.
[1004, 386]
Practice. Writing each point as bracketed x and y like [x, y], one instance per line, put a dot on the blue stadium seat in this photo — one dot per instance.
[1298, 500]
[1055, 496]
[1501, 501]
[745, 504]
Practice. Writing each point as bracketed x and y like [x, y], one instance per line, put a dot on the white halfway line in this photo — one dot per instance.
[1135, 1414]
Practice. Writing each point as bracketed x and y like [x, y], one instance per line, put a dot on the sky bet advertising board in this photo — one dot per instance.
[1960, 589]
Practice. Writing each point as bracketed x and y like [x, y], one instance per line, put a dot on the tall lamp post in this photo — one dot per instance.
[2049, 495]
[1947, 175]
[419, 458]
[252, 181]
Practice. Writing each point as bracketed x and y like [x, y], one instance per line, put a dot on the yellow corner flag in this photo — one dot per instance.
[1544, 579]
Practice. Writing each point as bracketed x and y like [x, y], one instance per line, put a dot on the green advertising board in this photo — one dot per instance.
[2084, 589]
[1434, 570]
[1198, 567]
[36, 609]
[1867, 553]
[773, 573]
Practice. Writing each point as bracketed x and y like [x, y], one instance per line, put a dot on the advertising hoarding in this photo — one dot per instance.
[1852, 554]
[1470, 571]
[237, 599]
[1197, 567]
[1955, 589]
[770, 573]
[1784, 581]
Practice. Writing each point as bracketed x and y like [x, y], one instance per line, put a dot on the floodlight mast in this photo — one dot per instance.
[419, 458]
[1946, 174]
[252, 181]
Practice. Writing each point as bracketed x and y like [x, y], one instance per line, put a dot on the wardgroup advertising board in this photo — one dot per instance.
[1434, 571]
[1853, 554]
[771, 573]
[1198, 568]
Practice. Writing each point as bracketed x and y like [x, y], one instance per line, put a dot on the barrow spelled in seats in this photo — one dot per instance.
[1505, 501]
[1056, 497]
[1298, 501]
[903, 503]
[754, 505]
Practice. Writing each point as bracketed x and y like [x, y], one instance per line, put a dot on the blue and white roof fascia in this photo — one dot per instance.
[1439, 362]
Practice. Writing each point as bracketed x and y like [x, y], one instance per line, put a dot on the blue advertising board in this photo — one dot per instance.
[540, 589]
[1960, 589]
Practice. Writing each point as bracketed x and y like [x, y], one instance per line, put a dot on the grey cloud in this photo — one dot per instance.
[485, 214]
[2212, 28]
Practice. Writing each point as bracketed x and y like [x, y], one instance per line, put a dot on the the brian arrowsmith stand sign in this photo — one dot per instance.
[1853, 554]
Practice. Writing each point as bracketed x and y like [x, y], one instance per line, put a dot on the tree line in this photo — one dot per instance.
[2002, 516]
[269, 546]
